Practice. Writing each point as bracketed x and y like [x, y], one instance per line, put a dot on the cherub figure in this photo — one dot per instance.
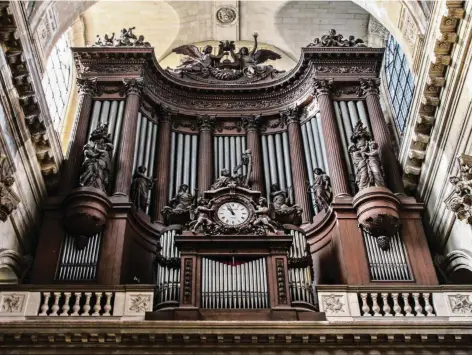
[196, 61]
[202, 211]
[263, 219]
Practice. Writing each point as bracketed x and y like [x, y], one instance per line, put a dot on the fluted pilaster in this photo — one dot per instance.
[251, 124]
[332, 139]
[381, 134]
[205, 152]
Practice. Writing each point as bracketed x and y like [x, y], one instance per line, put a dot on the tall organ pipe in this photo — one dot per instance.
[228, 152]
[183, 162]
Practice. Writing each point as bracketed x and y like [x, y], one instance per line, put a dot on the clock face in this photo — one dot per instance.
[233, 213]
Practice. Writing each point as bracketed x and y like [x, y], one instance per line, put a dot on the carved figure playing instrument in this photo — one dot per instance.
[180, 209]
[321, 190]
[282, 211]
[140, 188]
[263, 219]
[96, 167]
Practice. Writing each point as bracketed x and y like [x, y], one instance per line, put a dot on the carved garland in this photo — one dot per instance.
[188, 275]
[281, 282]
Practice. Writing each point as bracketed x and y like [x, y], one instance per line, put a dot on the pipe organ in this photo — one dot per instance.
[251, 241]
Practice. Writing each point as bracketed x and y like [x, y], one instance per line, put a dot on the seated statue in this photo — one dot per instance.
[224, 180]
[282, 211]
[179, 210]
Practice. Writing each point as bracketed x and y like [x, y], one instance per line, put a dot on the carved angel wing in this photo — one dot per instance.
[189, 50]
[263, 55]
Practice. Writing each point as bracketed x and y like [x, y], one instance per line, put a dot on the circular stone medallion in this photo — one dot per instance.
[226, 15]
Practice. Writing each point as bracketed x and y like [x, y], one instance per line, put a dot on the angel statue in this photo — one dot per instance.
[196, 61]
[9, 200]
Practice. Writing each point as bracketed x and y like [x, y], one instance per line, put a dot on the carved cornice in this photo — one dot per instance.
[431, 94]
[133, 86]
[322, 87]
[370, 86]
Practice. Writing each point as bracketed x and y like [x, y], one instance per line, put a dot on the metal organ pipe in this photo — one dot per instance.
[228, 151]
[117, 130]
[172, 165]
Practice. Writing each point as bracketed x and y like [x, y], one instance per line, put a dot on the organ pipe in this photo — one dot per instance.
[228, 151]
[183, 162]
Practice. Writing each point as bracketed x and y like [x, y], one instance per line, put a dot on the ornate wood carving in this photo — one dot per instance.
[460, 199]
[9, 200]
[333, 39]
[188, 281]
[281, 281]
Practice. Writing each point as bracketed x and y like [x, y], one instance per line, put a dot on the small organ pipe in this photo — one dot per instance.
[119, 121]
[232, 147]
[345, 136]
[215, 157]
[147, 150]
[238, 150]
[280, 161]
[179, 162]
[323, 146]
[221, 152]
[172, 166]
[311, 145]
[136, 147]
[272, 160]
[265, 160]
[288, 165]
[186, 167]
[318, 141]
[193, 169]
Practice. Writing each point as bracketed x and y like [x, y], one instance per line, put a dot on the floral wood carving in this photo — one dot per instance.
[281, 282]
[345, 70]
[140, 303]
[460, 304]
[333, 303]
[9, 200]
[332, 39]
[126, 39]
[188, 275]
[460, 200]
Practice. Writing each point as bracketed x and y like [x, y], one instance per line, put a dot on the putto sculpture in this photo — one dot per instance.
[336, 40]
[460, 200]
[126, 39]
[180, 208]
[263, 219]
[96, 167]
[243, 65]
[321, 190]
[366, 159]
[140, 189]
[282, 211]
[202, 212]
[9, 200]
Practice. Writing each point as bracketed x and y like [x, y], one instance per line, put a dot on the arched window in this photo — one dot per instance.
[400, 83]
[57, 80]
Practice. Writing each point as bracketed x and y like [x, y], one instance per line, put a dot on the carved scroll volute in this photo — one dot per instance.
[9, 200]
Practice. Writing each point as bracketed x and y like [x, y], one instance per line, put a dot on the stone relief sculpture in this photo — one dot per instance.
[9, 200]
[180, 208]
[460, 200]
[366, 159]
[96, 167]
[321, 190]
[140, 188]
[282, 211]
[243, 65]
[336, 40]
[126, 39]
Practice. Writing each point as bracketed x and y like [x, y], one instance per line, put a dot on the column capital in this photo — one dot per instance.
[88, 86]
[133, 86]
[251, 123]
[206, 122]
[370, 86]
[291, 115]
[322, 87]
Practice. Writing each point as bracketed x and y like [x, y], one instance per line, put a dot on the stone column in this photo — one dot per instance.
[251, 125]
[381, 134]
[205, 153]
[332, 139]
[162, 166]
[125, 151]
[88, 88]
[297, 158]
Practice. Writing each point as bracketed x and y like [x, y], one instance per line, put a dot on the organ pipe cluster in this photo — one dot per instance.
[300, 269]
[227, 153]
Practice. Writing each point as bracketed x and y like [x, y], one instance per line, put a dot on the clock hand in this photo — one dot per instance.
[231, 210]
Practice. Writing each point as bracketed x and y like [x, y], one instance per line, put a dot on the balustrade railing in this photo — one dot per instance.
[399, 304]
[77, 303]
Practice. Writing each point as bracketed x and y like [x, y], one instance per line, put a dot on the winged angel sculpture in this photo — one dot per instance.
[244, 64]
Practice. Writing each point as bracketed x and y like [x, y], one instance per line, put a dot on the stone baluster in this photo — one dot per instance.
[205, 152]
[107, 307]
[336, 162]
[66, 306]
[55, 306]
[291, 117]
[370, 88]
[427, 305]
[365, 306]
[385, 307]
[86, 307]
[407, 307]
[97, 307]
[88, 89]
[127, 143]
[396, 306]
[76, 306]
[251, 124]
[418, 307]
[45, 305]
[162, 165]
[375, 305]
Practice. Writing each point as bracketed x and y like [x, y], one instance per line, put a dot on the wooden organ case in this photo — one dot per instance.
[162, 160]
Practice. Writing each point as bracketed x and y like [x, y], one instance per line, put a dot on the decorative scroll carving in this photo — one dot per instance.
[281, 282]
[140, 189]
[370, 86]
[96, 167]
[115, 68]
[291, 115]
[172, 263]
[349, 90]
[180, 209]
[322, 87]
[331, 69]
[460, 304]
[221, 126]
[139, 303]
[133, 86]
[382, 226]
[88, 86]
[336, 40]
[9, 200]
[188, 275]
[298, 263]
[191, 124]
[245, 66]
[281, 211]
[321, 190]
[460, 200]
[366, 159]
[333, 303]
[206, 122]
[126, 39]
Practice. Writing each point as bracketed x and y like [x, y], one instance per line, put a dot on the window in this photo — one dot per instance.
[400, 83]
[57, 79]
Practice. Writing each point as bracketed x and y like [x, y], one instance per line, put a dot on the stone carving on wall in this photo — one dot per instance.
[281, 209]
[244, 66]
[460, 200]
[333, 39]
[96, 167]
[12, 303]
[333, 303]
[366, 159]
[9, 200]
[140, 189]
[460, 304]
[226, 15]
[321, 189]
[180, 208]
[126, 39]
[139, 303]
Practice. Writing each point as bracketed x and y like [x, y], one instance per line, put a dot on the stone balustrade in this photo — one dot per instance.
[395, 302]
[20, 302]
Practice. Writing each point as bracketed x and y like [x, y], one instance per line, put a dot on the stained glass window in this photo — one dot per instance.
[57, 80]
[400, 82]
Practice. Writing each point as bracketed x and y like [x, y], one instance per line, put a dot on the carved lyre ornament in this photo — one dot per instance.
[460, 199]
